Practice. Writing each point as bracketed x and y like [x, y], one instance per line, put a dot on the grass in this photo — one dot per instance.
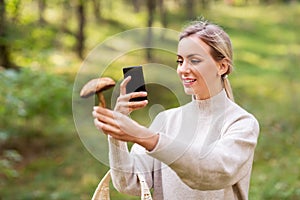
[56, 165]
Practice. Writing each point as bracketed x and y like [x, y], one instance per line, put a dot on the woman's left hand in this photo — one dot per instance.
[121, 127]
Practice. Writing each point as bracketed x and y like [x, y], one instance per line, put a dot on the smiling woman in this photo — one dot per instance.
[200, 73]
[202, 150]
[215, 48]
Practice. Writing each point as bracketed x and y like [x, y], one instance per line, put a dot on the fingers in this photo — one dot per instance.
[125, 106]
[105, 116]
[118, 125]
[132, 105]
[105, 127]
[127, 97]
[137, 94]
[109, 123]
[104, 120]
[97, 110]
[123, 85]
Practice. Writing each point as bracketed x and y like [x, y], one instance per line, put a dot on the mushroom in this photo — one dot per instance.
[97, 86]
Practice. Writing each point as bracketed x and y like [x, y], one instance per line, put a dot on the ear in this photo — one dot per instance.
[223, 66]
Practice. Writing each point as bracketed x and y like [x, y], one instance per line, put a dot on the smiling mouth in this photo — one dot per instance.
[188, 82]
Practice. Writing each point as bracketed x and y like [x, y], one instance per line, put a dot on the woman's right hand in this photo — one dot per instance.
[123, 105]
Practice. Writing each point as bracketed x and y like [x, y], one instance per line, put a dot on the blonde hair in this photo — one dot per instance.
[220, 43]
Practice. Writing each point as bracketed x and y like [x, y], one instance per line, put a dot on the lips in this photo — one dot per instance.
[188, 81]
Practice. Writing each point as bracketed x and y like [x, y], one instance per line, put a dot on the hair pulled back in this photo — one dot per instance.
[218, 41]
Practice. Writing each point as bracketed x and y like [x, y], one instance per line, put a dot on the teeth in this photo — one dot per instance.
[189, 81]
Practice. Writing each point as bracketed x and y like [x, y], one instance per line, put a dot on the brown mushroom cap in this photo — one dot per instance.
[96, 85]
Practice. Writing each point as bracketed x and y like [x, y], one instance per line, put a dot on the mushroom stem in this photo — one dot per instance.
[97, 85]
[101, 99]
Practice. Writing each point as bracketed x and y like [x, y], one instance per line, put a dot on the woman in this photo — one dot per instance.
[202, 150]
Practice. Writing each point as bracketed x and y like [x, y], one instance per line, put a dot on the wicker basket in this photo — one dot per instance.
[102, 191]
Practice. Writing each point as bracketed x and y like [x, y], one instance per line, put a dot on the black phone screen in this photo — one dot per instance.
[137, 82]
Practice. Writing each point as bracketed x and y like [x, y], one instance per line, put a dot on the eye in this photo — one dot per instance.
[179, 61]
[195, 61]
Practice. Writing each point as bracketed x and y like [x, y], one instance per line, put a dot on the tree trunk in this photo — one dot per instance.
[97, 9]
[66, 14]
[42, 8]
[16, 12]
[190, 9]
[81, 25]
[163, 13]
[151, 8]
[5, 61]
[136, 5]
[205, 4]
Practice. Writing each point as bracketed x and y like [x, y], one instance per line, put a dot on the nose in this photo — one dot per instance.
[184, 68]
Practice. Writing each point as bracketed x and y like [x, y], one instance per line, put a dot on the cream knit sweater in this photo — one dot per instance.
[205, 151]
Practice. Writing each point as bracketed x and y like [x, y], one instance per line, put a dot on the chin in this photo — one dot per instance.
[189, 91]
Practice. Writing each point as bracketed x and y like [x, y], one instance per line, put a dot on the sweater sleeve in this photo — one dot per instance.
[125, 164]
[228, 160]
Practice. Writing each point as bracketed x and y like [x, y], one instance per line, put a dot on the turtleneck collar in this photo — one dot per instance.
[212, 104]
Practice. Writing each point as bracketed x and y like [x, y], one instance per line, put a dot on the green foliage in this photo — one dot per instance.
[10, 157]
[35, 104]
[29, 98]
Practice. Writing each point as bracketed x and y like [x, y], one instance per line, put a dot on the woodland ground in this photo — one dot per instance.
[42, 156]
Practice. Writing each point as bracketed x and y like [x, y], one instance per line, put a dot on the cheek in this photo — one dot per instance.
[207, 70]
[178, 71]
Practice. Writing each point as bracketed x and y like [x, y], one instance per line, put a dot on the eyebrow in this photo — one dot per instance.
[191, 55]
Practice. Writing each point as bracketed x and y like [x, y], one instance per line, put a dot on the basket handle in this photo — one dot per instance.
[102, 191]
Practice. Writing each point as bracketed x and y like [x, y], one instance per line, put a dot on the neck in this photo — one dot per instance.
[210, 92]
[215, 104]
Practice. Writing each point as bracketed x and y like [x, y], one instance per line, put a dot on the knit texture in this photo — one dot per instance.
[205, 151]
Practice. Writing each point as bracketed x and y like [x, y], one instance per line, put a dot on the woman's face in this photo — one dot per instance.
[199, 72]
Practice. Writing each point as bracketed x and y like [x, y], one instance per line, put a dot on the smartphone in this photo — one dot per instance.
[137, 82]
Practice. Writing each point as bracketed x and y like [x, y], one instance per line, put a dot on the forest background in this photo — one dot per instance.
[43, 43]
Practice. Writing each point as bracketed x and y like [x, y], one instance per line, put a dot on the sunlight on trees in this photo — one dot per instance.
[47, 42]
